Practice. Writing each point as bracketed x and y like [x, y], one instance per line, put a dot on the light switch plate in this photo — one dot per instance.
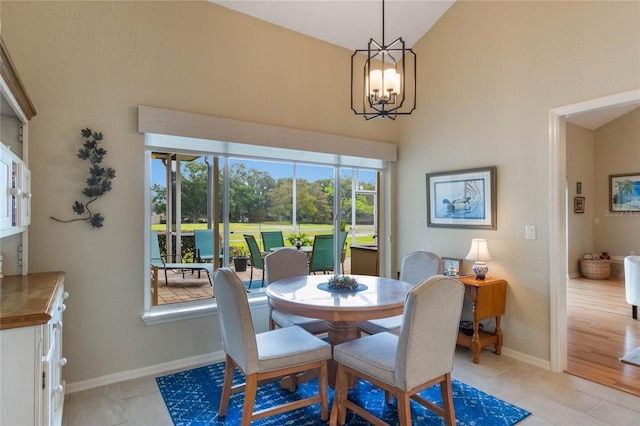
[530, 232]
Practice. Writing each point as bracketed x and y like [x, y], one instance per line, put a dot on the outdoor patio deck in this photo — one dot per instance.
[193, 288]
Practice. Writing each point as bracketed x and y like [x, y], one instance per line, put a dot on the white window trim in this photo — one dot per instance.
[199, 132]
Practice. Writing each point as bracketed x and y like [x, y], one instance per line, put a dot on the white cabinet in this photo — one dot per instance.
[31, 360]
[6, 173]
[15, 193]
[16, 110]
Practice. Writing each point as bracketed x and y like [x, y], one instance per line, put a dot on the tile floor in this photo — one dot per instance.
[553, 398]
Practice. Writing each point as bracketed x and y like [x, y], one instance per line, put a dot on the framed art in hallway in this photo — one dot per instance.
[578, 204]
[624, 192]
[462, 199]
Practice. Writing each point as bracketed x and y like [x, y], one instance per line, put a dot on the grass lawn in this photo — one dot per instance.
[364, 235]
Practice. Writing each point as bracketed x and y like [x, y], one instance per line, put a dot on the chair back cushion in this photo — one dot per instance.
[203, 241]
[420, 265]
[322, 253]
[285, 263]
[632, 279]
[156, 257]
[236, 325]
[429, 331]
[254, 250]
[272, 239]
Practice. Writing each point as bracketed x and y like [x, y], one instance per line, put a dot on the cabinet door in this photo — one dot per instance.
[6, 171]
[24, 199]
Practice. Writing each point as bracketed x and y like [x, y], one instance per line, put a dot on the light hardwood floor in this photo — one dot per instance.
[600, 330]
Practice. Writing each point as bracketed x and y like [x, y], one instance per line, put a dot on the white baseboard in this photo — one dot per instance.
[145, 371]
[214, 357]
[538, 362]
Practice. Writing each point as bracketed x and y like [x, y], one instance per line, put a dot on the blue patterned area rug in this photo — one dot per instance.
[192, 398]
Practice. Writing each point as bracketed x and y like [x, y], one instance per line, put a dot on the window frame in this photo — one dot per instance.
[334, 151]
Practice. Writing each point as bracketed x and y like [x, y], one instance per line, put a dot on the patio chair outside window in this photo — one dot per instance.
[322, 253]
[271, 239]
[256, 257]
[158, 261]
[203, 241]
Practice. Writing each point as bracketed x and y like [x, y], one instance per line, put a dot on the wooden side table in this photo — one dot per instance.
[489, 298]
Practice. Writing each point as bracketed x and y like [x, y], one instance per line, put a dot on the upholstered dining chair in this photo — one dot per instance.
[420, 357]
[416, 267]
[632, 283]
[287, 263]
[264, 356]
[256, 257]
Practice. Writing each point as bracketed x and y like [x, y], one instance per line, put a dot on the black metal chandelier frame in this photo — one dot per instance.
[375, 102]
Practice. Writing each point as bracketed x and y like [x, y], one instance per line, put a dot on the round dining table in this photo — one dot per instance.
[308, 296]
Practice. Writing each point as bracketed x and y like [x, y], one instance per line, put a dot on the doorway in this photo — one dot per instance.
[558, 210]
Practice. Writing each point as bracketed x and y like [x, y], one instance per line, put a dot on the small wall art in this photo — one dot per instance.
[578, 204]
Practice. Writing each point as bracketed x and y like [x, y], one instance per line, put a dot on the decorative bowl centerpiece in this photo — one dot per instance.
[342, 282]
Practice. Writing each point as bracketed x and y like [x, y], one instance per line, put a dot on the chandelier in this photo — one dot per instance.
[387, 85]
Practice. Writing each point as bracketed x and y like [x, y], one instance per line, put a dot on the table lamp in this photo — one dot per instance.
[479, 252]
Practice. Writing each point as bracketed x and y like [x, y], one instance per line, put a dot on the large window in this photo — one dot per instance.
[188, 194]
[233, 189]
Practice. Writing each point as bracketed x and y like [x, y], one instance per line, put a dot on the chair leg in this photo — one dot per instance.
[250, 389]
[229, 369]
[335, 407]
[251, 277]
[338, 410]
[324, 394]
[404, 409]
[447, 400]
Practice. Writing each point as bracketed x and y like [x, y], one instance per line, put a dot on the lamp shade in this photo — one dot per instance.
[479, 250]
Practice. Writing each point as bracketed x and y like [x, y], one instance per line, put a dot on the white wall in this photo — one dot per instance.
[489, 74]
[491, 71]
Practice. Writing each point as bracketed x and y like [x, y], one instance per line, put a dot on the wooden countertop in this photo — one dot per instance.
[26, 300]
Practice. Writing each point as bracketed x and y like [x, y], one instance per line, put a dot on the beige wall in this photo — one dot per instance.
[580, 230]
[617, 151]
[90, 64]
[489, 73]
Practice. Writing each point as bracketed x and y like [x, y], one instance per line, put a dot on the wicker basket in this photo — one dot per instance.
[595, 269]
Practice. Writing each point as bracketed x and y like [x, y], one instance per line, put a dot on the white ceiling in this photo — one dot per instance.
[599, 117]
[351, 23]
[347, 23]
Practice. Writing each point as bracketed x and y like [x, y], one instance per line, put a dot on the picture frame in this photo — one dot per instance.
[578, 188]
[624, 192]
[450, 261]
[578, 204]
[463, 199]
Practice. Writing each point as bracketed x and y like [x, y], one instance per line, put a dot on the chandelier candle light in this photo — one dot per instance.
[479, 252]
[387, 85]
